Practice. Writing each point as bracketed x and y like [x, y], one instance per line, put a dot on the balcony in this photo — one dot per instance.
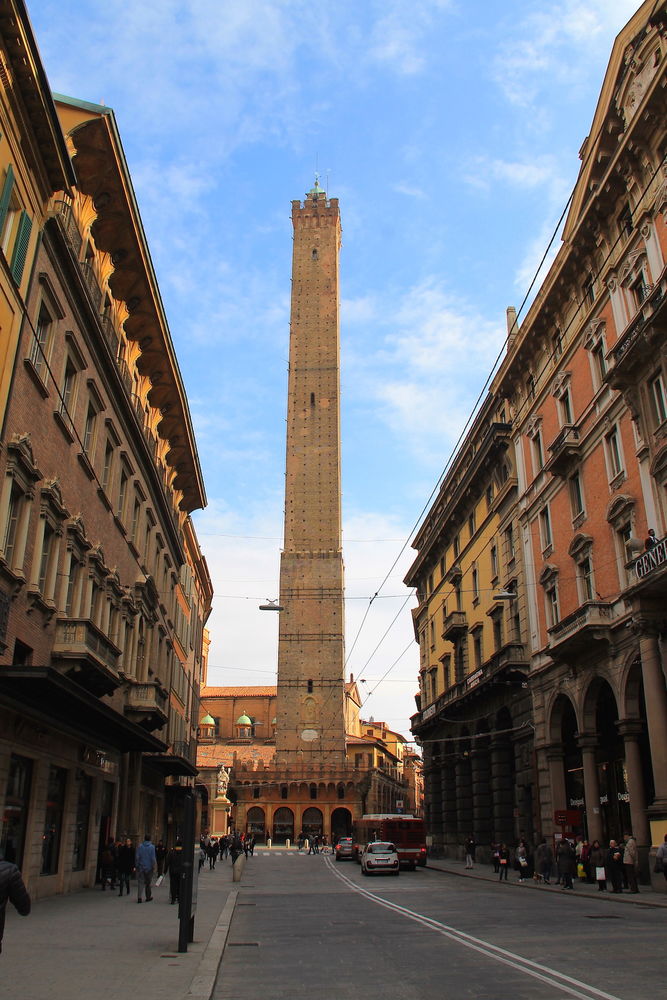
[632, 354]
[110, 334]
[68, 223]
[85, 654]
[564, 450]
[589, 625]
[91, 283]
[147, 705]
[455, 624]
[180, 761]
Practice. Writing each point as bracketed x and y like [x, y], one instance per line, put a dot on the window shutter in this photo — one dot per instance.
[6, 195]
[21, 247]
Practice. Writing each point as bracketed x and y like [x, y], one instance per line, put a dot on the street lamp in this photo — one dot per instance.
[271, 605]
[504, 595]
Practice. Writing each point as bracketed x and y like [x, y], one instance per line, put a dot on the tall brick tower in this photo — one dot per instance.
[310, 705]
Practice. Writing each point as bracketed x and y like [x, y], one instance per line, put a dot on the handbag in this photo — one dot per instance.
[159, 880]
[600, 875]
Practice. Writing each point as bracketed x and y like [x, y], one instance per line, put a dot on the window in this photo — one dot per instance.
[471, 524]
[431, 627]
[551, 597]
[17, 803]
[446, 671]
[494, 562]
[489, 496]
[434, 683]
[477, 647]
[16, 497]
[588, 291]
[599, 364]
[122, 493]
[47, 550]
[576, 495]
[657, 396]
[53, 820]
[429, 584]
[136, 516]
[475, 584]
[614, 456]
[639, 289]
[15, 227]
[309, 685]
[538, 454]
[587, 590]
[313, 791]
[460, 657]
[66, 403]
[497, 629]
[457, 546]
[442, 566]
[566, 406]
[39, 348]
[624, 222]
[509, 542]
[545, 528]
[107, 468]
[457, 594]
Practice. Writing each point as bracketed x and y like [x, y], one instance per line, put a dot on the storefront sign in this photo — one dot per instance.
[428, 712]
[651, 559]
[474, 679]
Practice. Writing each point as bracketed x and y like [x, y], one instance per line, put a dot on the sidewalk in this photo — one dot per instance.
[93, 942]
[582, 890]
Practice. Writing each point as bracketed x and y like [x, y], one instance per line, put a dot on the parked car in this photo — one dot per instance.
[380, 856]
[345, 849]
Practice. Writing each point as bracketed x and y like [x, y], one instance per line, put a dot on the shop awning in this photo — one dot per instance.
[46, 694]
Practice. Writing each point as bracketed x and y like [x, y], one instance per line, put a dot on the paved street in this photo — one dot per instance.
[305, 926]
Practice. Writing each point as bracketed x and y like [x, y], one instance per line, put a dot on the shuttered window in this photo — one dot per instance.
[20, 251]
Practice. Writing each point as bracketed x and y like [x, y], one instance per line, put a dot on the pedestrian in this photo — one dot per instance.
[661, 858]
[503, 861]
[544, 859]
[566, 861]
[145, 863]
[251, 845]
[13, 889]
[470, 847]
[235, 848]
[160, 855]
[212, 852]
[174, 865]
[631, 861]
[585, 861]
[614, 866]
[521, 860]
[125, 865]
[108, 864]
[202, 857]
[495, 857]
[597, 860]
[300, 839]
[223, 844]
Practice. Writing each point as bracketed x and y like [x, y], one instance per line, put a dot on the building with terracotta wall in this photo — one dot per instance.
[583, 387]
[258, 793]
[107, 590]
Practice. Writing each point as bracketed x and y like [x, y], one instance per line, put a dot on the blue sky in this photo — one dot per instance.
[450, 131]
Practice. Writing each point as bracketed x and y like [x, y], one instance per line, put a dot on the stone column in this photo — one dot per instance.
[481, 795]
[655, 694]
[463, 797]
[555, 759]
[502, 792]
[588, 746]
[630, 730]
[450, 830]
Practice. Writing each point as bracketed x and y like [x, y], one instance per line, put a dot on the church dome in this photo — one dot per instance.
[243, 720]
[207, 721]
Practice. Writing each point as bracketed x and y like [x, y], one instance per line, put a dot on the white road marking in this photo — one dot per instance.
[565, 983]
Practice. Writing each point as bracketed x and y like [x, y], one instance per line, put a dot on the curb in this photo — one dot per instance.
[624, 900]
[203, 982]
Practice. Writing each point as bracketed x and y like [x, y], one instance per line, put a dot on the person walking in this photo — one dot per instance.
[300, 839]
[495, 857]
[12, 888]
[566, 861]
[174, 865]
[160, 856]
[145, 863]
[213, 849]
[614, 866]
[631, 861]
[598, 859]
[470, 847]
[125, 865]
[544, 860]
[521, 860]
[108, 865]
[503, 861]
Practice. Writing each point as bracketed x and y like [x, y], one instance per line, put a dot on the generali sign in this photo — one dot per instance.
[651, 559]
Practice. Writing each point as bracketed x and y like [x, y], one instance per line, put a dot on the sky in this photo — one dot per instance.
[449, 130]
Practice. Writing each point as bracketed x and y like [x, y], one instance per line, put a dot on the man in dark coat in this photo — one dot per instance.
[12, 889]
[174, 865]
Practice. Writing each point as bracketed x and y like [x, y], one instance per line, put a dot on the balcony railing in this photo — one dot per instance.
[455, 624]
[91, 283]
[68, 222]
[588, 624]
[564, 450]
[110, 334]
[87, 653]
[147, 696]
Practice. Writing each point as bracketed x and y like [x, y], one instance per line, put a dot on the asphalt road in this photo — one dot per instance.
[306, 927]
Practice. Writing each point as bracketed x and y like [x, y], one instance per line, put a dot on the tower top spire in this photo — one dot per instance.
[316, 189]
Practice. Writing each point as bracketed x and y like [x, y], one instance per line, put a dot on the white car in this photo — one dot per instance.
[380, 856]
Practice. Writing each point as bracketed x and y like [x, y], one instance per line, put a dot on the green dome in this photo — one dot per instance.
[243, 720]
[273, 722]
[207, 721]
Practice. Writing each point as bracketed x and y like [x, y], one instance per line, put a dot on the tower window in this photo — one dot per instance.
[310, 687]
[315, 255]
[283, 791]
[312, 399]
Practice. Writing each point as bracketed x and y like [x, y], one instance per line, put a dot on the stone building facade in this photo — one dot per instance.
[105, 588]
[583, 389]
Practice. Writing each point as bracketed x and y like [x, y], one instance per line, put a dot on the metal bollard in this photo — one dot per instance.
[288, 843]
[268, 842]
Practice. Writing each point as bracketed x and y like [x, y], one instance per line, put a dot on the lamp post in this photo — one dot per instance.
[271, 605]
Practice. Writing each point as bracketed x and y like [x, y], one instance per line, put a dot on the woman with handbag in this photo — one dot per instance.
[598, 857]
[503, 861]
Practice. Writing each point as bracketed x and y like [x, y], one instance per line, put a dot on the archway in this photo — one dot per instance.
[255, 823]
[283, 825]
[341, 824]
[503, 779]
[564, 730]
[311, 822]
[601, 718]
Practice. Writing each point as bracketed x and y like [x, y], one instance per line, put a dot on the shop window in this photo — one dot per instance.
[15, 813]
[53, 820]
[79, 848]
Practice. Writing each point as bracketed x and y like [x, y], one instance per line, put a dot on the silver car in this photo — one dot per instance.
[380, 856]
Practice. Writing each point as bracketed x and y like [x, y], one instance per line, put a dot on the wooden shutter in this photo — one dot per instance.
[21, 247]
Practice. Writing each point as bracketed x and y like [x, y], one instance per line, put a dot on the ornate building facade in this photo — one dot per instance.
[583, 390]
[105, 588]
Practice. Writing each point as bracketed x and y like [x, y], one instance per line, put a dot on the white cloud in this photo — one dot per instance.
[409, 189]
